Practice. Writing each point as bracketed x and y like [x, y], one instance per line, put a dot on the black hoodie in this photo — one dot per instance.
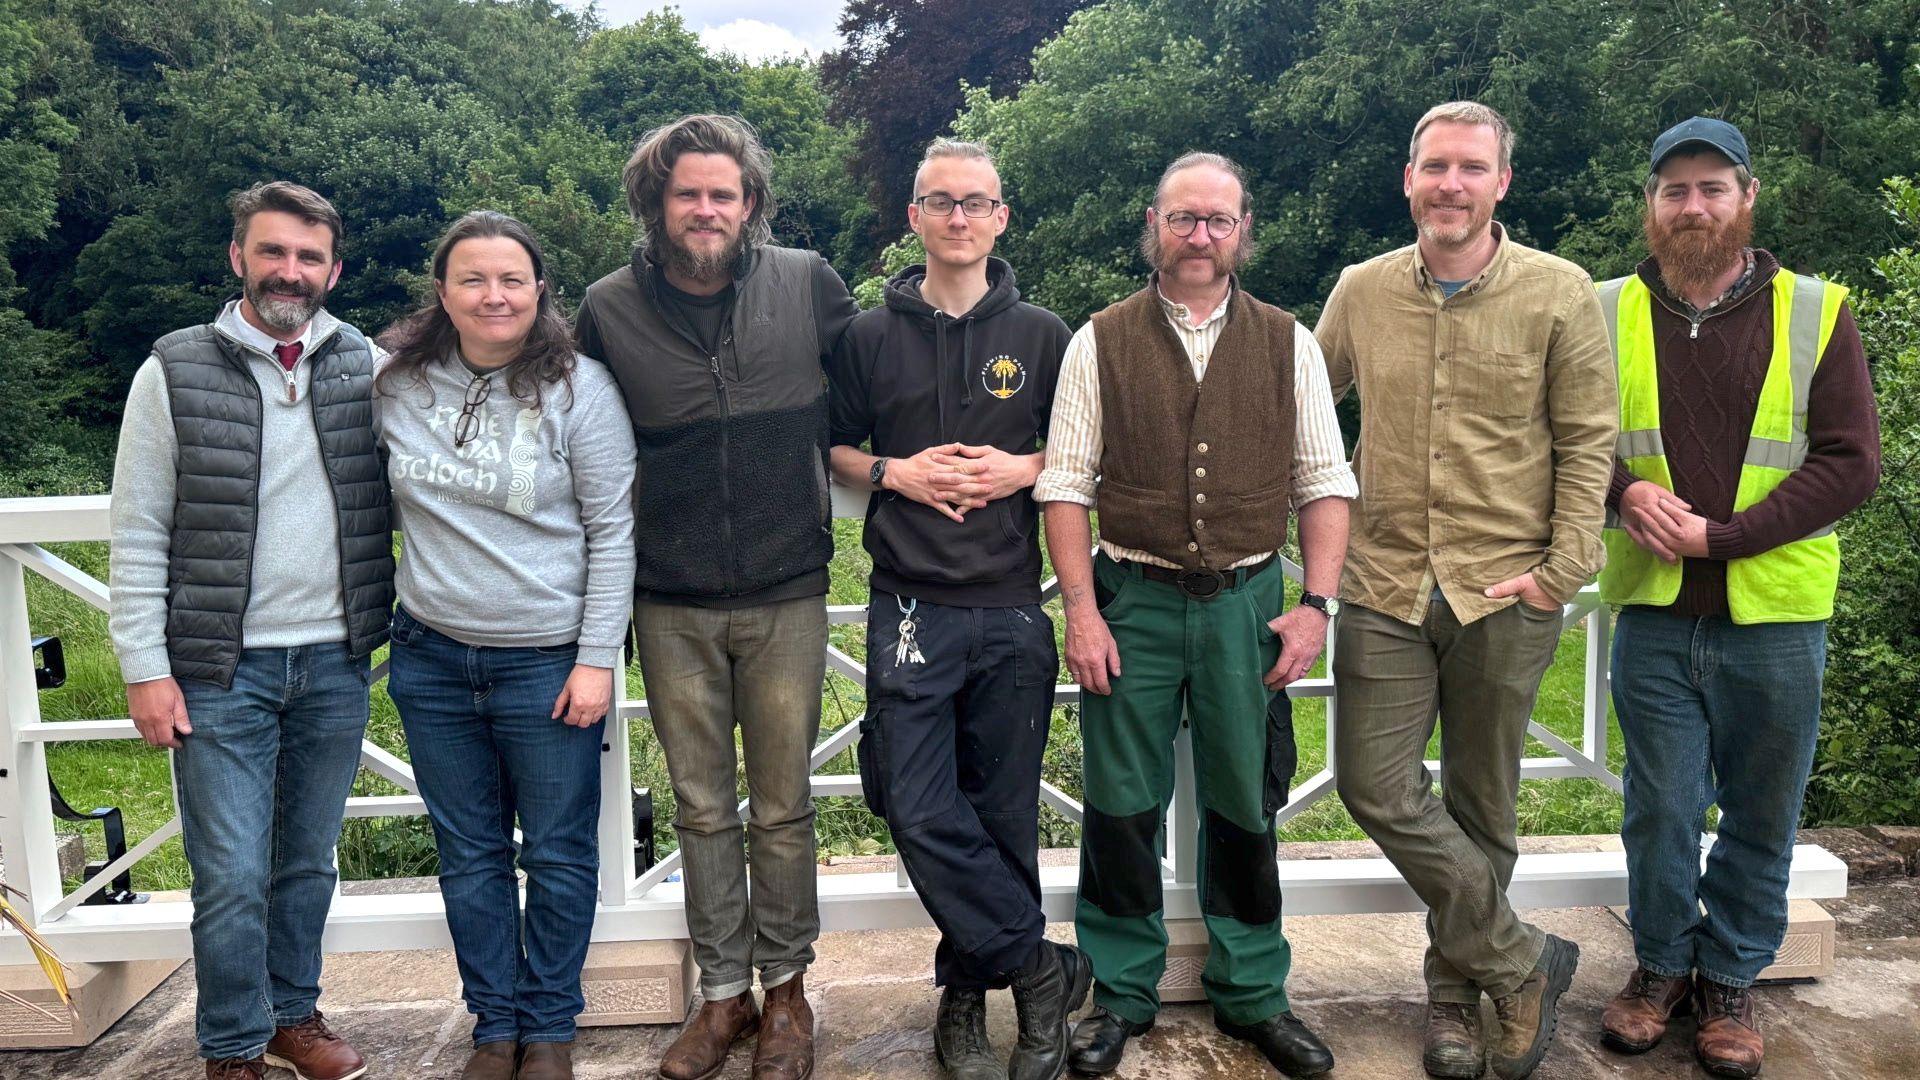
[909, 376]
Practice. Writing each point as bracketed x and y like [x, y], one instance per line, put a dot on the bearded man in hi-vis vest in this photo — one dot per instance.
[1747, 429]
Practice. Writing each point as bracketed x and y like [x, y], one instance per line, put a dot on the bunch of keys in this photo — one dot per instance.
[908, 651]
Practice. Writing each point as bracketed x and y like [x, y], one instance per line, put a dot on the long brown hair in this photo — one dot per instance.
[427, 336]
[647, 171]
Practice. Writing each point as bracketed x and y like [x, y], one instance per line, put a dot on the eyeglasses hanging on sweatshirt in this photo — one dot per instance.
[467, 427]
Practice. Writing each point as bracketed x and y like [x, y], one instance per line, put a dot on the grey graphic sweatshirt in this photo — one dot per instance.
[524, 536]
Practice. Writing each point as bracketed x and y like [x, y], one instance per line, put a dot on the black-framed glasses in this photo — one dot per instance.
[1181, 223]
[467, 427]
[975, 206]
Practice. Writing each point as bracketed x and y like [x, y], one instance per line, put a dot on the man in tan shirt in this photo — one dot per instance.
[1486, 444]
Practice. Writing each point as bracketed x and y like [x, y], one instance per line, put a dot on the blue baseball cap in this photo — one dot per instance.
[1702, 131]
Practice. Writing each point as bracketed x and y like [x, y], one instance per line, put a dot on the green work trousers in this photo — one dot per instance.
[1206, 658]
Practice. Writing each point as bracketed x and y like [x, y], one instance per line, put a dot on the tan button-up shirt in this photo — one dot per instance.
[1487, 426]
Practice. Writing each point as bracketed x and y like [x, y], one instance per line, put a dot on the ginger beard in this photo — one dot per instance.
[1693, 252]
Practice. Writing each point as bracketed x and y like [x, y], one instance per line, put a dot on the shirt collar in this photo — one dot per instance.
[1179, 312]
[1423, 278]
[1738, 288]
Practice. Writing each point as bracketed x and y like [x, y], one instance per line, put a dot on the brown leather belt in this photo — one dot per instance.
[1200, 583]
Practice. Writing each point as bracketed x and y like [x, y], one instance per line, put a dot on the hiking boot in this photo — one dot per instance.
[236, 1068]
[1529, 1014]
[1728, 1042]
[492, 1061]
[314, 1052]
[960, 1036]
[785, 1051]
[700, 1052]
[1045, 993]
[1455, 1047]
[546, 1061]
[1636, 1019]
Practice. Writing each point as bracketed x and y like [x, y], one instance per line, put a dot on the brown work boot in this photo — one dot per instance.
[1529, 1014]
[701, 1050]
[236, 1068]
[785, 1051]
[546, 1061]
[1636, 1018]
[1455, 1047]
[1728, 1042]
[314, 1052]
[492, 1061]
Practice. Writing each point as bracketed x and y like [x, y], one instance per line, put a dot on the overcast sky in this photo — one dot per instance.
[754, 29]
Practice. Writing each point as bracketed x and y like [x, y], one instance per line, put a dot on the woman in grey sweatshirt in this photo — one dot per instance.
[512, 463]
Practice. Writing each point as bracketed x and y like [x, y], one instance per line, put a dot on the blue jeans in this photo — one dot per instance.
[261, 785]
[485, 749]
[1713, 713]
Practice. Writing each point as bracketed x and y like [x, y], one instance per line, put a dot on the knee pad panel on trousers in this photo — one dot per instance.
[1243, 877]
[1120, 868]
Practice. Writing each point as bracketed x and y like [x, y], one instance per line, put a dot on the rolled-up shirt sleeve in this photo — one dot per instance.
[1073, 432]
[1320, 468]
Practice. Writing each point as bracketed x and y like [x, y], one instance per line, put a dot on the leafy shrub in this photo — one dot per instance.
[1869, 764]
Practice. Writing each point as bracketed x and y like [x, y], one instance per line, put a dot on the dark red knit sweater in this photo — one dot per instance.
[1709, 389]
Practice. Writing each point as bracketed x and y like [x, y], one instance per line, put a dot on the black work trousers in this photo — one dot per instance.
[950, 753]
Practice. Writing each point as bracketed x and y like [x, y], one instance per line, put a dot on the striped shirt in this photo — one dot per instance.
[1072, 475]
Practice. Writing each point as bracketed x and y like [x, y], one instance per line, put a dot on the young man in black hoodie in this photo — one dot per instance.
[952, 382]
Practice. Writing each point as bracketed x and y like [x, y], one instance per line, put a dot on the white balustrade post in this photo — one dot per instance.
[617, 868]
[26, 804]
[1599, 687]
[1183, 822]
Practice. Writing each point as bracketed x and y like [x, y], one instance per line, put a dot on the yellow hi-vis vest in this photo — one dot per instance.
[1794, 582]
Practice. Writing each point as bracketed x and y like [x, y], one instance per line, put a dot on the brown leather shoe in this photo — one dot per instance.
[236, 1068]
[1728, 1042]
[492, 1061]
[546, 1061]
[314, 1052]
[1454, 1045]
[1636, 1019]
[701, 1050]
[785, 1051]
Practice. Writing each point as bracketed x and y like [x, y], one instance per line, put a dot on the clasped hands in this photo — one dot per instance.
[954, 478]
[1662, 522]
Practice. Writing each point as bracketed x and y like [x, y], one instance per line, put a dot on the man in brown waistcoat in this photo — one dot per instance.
[1199, 417]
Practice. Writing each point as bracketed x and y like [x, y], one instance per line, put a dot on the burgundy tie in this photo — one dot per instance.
[289, 354]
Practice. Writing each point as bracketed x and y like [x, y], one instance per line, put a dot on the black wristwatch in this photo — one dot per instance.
[878, 472]
[1325, 605]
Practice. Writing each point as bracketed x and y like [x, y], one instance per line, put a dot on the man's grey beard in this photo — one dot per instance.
[283, 314]
[700, 266]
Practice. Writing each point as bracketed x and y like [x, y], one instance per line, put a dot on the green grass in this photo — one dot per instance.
[134, 777]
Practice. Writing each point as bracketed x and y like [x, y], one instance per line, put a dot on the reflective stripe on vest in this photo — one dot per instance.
[1791, 583]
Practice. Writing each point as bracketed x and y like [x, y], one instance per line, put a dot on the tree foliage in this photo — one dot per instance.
[125, 125]
[1869, 765]
[1317, 99]
[904, 64]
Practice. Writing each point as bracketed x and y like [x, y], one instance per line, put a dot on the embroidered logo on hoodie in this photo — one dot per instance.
[1004, 376]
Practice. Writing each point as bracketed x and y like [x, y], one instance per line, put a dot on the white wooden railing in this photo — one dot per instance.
[636, 905]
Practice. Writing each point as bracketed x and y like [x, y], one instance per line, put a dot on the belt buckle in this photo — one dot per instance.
[1201, 583]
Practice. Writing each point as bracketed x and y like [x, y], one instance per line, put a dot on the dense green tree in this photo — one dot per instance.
[903, 65]
[1868, 769]
[636, 77]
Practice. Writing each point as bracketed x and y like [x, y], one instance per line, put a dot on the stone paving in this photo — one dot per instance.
[1355, 979]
